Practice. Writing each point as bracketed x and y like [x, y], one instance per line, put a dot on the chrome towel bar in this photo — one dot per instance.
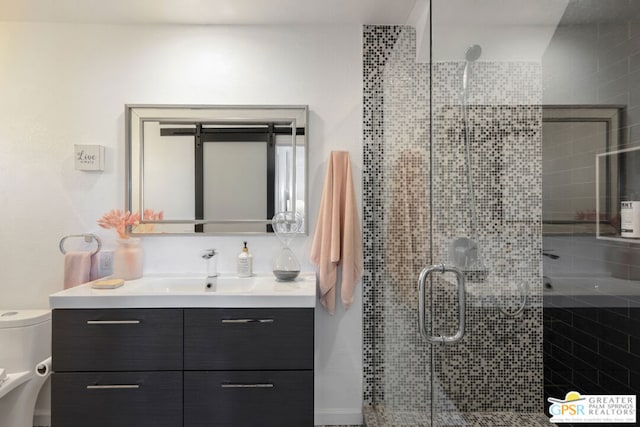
[88, 238]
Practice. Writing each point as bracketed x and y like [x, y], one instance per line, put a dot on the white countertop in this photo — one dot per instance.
[181, 290]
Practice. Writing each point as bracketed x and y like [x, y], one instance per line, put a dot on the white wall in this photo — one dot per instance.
[64, 84]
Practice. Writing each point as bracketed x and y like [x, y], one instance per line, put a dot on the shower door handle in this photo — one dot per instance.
[422, 283]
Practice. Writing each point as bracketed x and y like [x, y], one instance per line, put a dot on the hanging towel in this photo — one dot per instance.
[337, 239]
[79, 267]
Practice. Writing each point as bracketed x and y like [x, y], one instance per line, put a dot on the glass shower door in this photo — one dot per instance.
[486, 200]
[399, 165]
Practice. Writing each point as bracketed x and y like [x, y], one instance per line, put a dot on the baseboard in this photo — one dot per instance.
[331, 417]
[328, 417]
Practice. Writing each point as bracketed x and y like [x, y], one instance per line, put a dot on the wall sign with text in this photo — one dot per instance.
[89, 157]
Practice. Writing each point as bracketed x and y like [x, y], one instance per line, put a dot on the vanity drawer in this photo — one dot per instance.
[248, 399]
[123, 399]
[117, 340]
[270, 338]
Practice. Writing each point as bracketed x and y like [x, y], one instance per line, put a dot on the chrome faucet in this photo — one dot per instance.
[212, 262]
[209, 253]
[212, 269]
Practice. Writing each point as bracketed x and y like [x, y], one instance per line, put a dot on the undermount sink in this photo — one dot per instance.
[260, 290]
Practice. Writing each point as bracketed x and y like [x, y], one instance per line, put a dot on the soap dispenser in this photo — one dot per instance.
[245, 262]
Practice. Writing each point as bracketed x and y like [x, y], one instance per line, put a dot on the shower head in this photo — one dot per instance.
[473, 53]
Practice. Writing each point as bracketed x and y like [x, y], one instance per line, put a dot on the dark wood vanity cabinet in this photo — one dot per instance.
[248, 398]
[182, 367]
[117, 367]
[248, 339]
[248, 367]
[110, 399]
[117, 340]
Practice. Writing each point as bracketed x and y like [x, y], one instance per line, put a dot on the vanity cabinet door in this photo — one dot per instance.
[248, 399]
[261, 339]
[117, 340]
[122, 399]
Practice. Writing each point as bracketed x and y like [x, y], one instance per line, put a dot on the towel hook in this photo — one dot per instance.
[87, 238]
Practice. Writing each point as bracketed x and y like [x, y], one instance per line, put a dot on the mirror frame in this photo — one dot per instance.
[137, 114]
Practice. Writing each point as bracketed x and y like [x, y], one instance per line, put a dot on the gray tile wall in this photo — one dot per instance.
[592, 350]
[593, 59]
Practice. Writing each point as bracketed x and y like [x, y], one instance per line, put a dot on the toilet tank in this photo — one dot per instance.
[25, 339]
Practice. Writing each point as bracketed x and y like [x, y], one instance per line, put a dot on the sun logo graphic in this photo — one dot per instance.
[577, 408]
[570, 406]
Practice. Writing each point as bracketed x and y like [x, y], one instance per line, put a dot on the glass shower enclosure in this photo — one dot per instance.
[493, 133]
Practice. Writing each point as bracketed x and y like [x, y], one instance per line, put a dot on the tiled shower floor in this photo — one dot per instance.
[379, 417]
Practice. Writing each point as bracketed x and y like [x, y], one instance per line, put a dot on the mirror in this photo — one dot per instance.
[215, 169]
[582, 187]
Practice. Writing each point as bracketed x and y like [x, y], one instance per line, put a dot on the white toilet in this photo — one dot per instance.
[25, 342]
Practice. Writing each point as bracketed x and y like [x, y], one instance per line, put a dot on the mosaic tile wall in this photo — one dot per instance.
[498, 365]
[378, 43]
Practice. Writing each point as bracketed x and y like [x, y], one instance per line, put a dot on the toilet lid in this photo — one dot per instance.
[19, 318]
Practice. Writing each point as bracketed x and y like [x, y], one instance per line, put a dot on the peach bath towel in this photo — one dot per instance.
[79, 267]
[338, 239]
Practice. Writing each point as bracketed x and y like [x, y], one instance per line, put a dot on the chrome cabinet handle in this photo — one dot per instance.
[248, 321]
[262, 385]
[113, 322]
[441, 268]
[113, 386]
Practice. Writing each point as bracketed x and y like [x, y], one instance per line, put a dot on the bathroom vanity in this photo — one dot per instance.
[227, 359]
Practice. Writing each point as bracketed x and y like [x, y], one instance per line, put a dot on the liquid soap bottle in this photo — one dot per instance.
[245, 262]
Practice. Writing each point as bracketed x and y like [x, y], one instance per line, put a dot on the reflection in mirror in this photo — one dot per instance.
[577, 198]
[216, 169]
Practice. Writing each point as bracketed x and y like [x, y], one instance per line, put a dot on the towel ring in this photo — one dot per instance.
[87, 238]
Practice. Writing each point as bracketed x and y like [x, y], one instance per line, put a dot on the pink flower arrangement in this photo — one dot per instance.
[119, 221]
